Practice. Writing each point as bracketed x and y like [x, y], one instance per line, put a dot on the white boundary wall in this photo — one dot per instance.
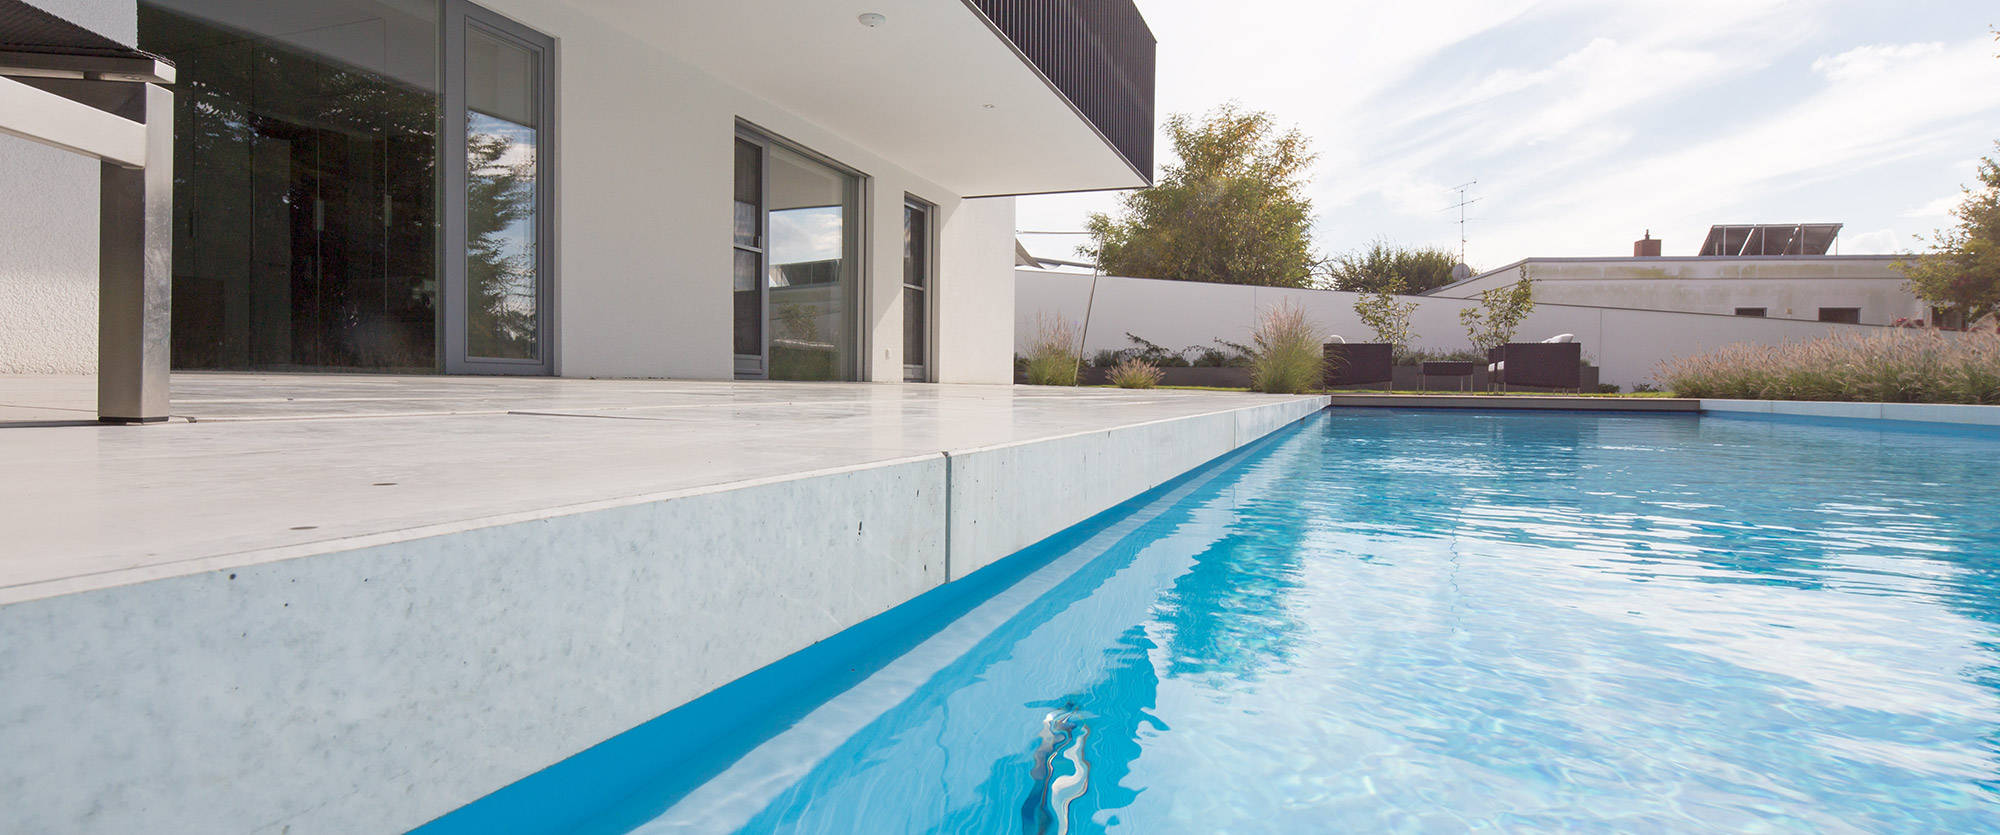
[1626, 345]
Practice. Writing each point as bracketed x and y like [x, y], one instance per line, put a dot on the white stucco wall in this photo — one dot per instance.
[1627, 345]
[1786, 287]
[48, 260]
[48, 233]
[975, 301]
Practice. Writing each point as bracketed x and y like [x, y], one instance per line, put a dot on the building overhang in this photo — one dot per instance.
[936, 87]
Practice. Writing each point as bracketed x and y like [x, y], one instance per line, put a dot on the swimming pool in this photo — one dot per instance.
[1436, 620]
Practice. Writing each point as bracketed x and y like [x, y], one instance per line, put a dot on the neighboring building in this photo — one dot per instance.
[605, 188]
[1775, 271]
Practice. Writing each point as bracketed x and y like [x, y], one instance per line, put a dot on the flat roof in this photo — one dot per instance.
[1657, 259]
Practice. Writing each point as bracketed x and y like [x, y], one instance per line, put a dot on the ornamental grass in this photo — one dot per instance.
[1289, 358]
[1902, 365]
[1052, 357]
[1135, 373]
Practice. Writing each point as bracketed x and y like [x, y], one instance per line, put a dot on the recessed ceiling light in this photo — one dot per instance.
[872, 19]
[986, 107]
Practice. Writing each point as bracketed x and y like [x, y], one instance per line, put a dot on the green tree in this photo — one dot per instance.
[1383, 265]
[1230, 210]
[1961, 273]
[1500, 311]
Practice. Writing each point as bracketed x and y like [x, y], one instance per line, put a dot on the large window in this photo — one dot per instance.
[305, 213]
[916, 290]
[497, 91]
[793, 279]
[311, 141]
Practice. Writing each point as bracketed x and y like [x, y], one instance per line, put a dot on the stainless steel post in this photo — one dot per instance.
[135, 283]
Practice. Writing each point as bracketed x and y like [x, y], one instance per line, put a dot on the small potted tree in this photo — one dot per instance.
[1554, 363]
[1390, 320]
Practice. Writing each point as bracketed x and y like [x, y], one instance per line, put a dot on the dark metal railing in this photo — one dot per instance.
[1099, 53]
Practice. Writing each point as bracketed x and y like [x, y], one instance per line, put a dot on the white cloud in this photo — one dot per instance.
[1939, 209]
[809, 234]
[1878, 242]
[1588, 122]
[1874, 59]
[1850, 125]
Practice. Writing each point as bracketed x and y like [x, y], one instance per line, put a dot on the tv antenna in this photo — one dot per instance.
[1462, 189]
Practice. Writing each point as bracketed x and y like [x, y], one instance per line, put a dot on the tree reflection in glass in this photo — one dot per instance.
[501, 241]
[503, 106]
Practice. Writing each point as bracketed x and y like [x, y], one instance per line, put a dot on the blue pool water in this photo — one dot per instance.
[1441, 621]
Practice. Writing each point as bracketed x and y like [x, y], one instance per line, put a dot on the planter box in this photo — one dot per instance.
[1409, 378]
[1225, 377]
[1405, 378]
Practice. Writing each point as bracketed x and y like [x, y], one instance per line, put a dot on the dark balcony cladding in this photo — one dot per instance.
[1099, 53]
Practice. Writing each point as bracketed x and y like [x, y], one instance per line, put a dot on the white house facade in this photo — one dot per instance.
[760, 189]
[1854, 289]
[1776, 271]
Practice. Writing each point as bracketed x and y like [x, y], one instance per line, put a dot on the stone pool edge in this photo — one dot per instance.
[377, 687]
[1962, 414]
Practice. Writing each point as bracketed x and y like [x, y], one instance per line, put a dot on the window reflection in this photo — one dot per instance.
[502, 281]
[809, 275]
[916, 286]
[304, 171]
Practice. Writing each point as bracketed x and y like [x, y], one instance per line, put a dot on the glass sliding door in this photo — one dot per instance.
[917, 268]
[359, 185]
[795, 265]
[497, 105]
[305, 212]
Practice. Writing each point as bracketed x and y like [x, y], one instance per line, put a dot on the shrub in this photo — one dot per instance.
[1136, 373]
[1288, 357]
[1901, 365]
[1237, 355]
[1053, 356]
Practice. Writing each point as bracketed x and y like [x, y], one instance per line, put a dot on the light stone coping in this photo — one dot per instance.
[1007, 497]
[1941, 413]
[372, 684]
[1530, 402]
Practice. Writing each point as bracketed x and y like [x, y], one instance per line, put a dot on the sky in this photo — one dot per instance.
[1586, 124]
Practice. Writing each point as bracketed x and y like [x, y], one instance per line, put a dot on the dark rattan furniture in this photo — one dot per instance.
[1359, 363]
[1462, 370]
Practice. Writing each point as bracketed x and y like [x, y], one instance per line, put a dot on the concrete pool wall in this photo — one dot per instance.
[377, 686]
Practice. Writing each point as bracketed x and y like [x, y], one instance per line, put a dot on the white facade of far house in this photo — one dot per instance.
[754, 189]
[1853, 289]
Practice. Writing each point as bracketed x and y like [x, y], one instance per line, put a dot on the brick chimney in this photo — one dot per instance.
[1646, 247]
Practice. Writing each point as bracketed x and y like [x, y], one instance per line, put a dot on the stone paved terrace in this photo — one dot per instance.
[354, 603]
[258, 467]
